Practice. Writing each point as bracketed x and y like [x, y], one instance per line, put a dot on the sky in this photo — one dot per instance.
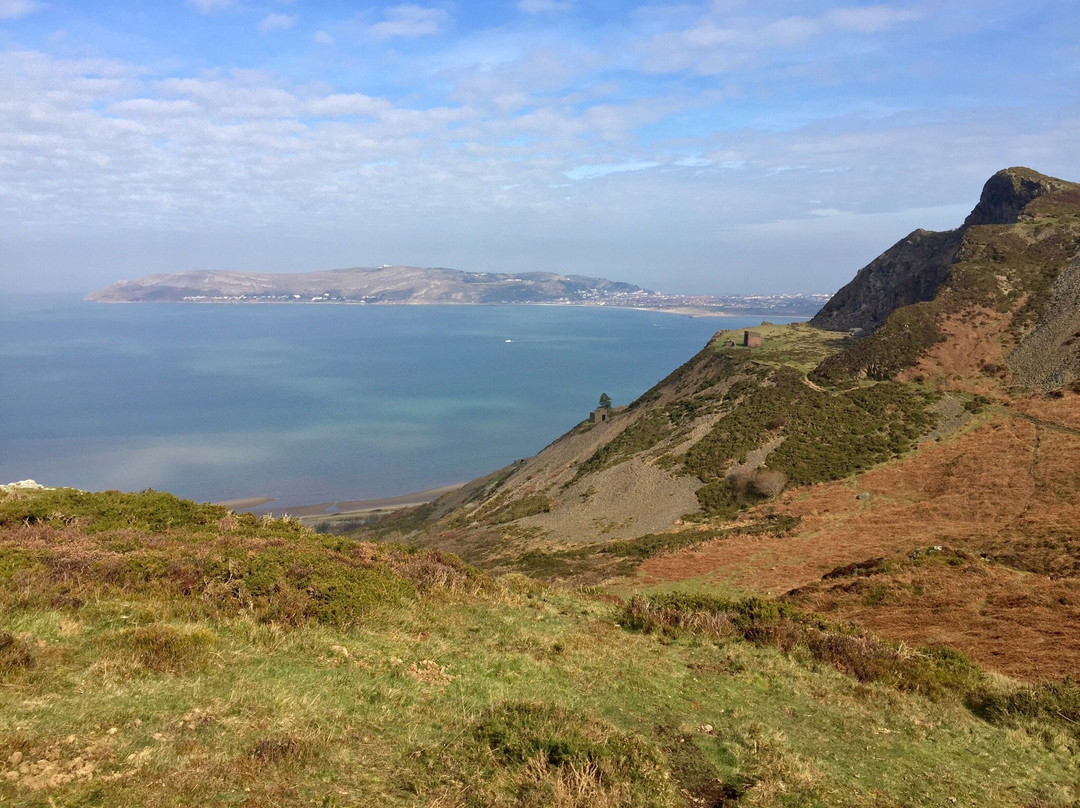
[722, 147]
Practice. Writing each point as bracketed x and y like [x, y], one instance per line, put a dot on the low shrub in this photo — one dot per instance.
[163, 648]
[827, 435]
[909, 333]
[567, 563]
[525, 753]
[277, 749]
[273, 570]
[502, 511]
[149, 511]
[1058, 702]
[15, 654]
[932, 671]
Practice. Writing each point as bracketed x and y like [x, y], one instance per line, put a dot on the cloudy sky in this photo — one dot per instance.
[688, 147]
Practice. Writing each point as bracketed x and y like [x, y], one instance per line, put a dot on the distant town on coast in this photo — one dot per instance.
[401, 285]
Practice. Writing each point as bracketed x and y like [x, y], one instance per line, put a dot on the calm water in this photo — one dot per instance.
[309, 403]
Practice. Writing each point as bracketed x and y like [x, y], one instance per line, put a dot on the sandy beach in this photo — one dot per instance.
[339, 507]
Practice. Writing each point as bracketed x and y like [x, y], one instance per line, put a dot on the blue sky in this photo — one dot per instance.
[718, 147]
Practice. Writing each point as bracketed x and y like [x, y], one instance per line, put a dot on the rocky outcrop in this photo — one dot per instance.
[1008, 192]
[910, 271]
[913, 269]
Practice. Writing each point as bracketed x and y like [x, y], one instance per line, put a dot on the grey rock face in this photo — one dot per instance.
[910, 271]
[913, 269]
[1008, 192]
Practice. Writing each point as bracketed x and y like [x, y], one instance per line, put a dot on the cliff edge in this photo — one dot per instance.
[915, 268]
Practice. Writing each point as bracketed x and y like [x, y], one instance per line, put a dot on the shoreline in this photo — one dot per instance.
[340, 507]
[687, 310]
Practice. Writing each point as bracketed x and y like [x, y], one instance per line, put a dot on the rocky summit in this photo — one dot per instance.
[915, 268]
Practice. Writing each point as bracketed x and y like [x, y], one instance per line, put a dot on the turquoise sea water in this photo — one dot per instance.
[309, 403]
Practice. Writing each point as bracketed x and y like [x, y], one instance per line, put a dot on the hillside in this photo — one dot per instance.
[828, 468]
[396, 284]
[158, 652]
[915, 268]
[809, 567]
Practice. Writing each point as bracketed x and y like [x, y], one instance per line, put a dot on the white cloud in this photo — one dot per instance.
[717, 42]
[323, 38]
[544, 6]
[276, 22]
[408, 20]
[870, 19]
[14, 9]
[594, 171]
[209, 6]
[342, 104]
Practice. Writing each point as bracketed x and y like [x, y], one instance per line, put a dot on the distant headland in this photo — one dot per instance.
[401, 285]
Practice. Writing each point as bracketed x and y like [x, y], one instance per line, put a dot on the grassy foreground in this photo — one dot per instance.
[158, 652]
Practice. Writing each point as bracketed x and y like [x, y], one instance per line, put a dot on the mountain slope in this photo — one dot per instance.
[1009, 289]
[762, 469]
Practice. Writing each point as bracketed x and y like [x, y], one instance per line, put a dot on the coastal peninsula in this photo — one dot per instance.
[402, 285]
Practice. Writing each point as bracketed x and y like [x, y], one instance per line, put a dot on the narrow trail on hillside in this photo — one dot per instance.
[1041, 422]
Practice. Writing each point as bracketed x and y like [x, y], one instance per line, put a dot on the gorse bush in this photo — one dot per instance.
[824, 435]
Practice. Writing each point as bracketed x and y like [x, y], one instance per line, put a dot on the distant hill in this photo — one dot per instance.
[416, 286]
[398, 284]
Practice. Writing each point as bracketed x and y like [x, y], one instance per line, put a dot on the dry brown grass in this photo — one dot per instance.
[974, 339]
[1009, 488]
[1017, 623]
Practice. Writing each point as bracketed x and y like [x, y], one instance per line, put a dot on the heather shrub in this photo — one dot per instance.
[931, 671]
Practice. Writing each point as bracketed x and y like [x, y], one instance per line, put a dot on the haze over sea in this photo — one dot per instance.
[310, 403]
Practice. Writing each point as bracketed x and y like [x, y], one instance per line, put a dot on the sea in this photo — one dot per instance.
[310, 403]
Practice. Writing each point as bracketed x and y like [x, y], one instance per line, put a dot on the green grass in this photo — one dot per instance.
[796, 345]
[467, 692]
